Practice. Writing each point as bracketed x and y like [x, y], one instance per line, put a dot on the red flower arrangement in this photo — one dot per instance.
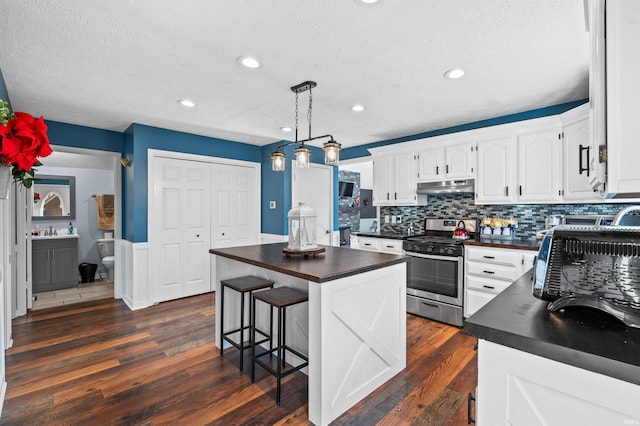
[23, 139]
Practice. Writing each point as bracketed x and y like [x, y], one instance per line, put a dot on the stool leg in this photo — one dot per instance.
[284, 335]
[241, 332]
[279, 367]
[253, 339]
[221, 319]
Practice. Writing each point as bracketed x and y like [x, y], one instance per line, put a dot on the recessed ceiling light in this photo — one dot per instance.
[357, 108]
[187, 103]
[454, 73]
[368, 2]
[285, 129]
[249, 62]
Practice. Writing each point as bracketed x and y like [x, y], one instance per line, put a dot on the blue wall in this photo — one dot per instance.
[361, 151]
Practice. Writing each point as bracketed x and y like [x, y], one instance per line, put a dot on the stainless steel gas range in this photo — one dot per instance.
[435, 273]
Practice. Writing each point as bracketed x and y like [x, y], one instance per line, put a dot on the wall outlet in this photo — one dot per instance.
[386, 218]
[399, 219]
[393, 218]
[272, 205]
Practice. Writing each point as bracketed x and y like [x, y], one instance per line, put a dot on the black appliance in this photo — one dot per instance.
[435, 272]
[345, 189]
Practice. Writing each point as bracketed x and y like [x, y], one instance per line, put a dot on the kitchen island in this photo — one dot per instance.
[577, 366]
[353, 328]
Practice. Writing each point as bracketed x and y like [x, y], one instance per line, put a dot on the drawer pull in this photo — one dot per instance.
[367, 244]
[390, 246]
[489, 272]
[490, 287]
[489, 257]
[430, 305]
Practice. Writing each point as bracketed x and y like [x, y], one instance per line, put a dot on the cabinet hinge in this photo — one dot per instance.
[602, 154]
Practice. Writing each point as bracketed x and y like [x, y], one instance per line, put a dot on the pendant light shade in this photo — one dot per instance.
[303, 154]
[331, 153]
[278, 161]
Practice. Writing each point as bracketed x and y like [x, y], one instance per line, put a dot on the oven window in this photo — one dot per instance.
[435, 276]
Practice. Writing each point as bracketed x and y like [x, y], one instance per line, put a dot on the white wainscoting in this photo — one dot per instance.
[273, 238]
[132, 271]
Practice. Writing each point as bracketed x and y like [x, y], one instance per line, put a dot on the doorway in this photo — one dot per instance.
[96, 171]
[314, 187]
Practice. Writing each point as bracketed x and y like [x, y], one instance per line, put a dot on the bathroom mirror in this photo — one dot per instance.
[54, 197]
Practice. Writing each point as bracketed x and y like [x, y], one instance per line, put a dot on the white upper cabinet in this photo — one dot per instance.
[394, 180]
[496, 171]
[460, 161]
[430, 163]
[455, 161]
[539, 165]
[522, 168]
[623, 97]
[579, 155]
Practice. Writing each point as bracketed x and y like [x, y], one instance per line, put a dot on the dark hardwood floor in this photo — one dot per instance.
[98, 363]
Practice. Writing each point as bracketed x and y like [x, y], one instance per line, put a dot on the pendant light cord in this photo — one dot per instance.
[309, 112]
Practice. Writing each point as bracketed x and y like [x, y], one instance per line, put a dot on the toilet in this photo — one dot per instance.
[106, 249]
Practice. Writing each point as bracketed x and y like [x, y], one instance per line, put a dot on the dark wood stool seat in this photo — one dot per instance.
[279, 298]
[242, 285]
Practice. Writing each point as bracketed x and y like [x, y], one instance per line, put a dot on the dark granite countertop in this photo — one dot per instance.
[515, 243]
[389, 235]
[582, 337]
[334, 263]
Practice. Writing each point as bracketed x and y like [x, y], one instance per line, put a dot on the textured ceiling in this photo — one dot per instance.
[108, 64]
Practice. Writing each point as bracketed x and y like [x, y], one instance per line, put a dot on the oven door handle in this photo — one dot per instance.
[433, 256]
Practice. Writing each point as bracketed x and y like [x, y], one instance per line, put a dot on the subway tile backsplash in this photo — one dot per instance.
[530, 217]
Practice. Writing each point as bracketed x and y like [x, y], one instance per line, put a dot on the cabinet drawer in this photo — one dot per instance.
[474, 300]
[492, 255]
[486, 284]
[391, 246]
[493, 271]
[369, 243]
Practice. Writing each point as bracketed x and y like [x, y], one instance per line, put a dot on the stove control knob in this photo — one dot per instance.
[442, 250]
[429, 249]
[450, 250]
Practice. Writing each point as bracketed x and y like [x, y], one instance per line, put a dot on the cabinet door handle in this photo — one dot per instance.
[489, 257]
[490, 287]
[506, 191]
[520, 190]
[387, 195]
[447, 170]
[395, 195]
[470, 399]
[489, 272]
[580, 168]
[437, 170]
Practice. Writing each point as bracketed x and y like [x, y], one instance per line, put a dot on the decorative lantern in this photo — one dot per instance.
[302, 228]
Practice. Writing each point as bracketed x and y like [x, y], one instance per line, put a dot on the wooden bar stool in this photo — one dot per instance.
[242, 285]
[280, 298]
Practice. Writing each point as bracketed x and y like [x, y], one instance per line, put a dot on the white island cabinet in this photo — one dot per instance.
[353, 327]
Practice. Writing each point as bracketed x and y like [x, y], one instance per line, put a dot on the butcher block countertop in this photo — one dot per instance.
[334, 263]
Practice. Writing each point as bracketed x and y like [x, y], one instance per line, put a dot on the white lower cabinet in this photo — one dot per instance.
[518, 388]
[489, 270]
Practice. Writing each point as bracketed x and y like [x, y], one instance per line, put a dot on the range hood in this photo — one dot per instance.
[447, 186]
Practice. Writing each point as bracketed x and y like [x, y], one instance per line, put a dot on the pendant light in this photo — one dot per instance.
[302, 153]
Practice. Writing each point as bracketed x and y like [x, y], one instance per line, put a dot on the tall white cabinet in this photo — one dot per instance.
[623, 96]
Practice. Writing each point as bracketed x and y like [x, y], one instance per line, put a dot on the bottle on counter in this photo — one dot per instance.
[70, 229]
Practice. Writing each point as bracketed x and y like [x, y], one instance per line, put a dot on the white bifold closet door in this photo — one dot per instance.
[234, 206]
[182, 207]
